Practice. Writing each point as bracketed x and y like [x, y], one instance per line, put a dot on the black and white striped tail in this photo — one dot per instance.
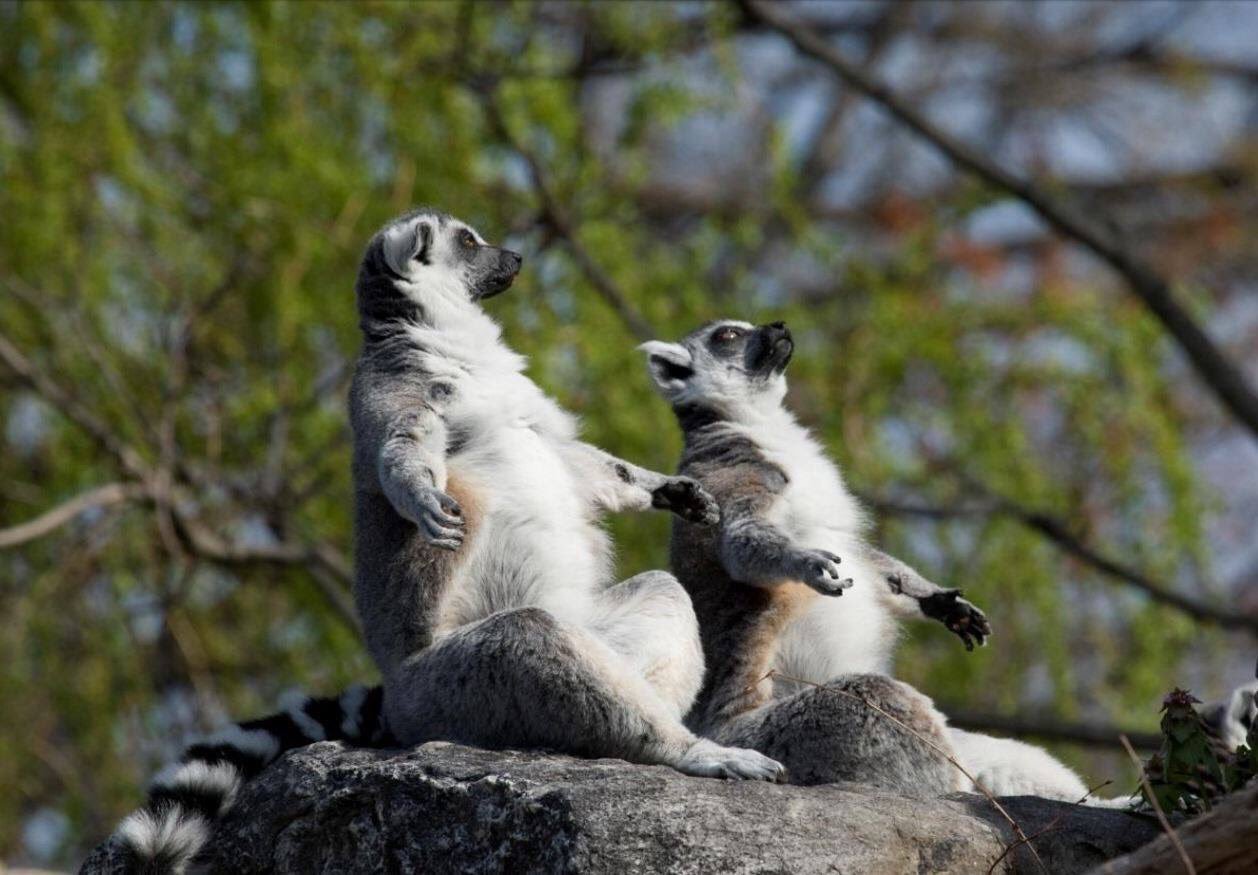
[188, 797]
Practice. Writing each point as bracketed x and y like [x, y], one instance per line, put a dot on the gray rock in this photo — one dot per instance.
[446, 808]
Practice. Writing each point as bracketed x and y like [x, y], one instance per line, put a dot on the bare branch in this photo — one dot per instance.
[51, 520]
[1061, 535]
[74, 410]
[556, 216]
[1050, 729]
[329, 568]
[1212, 366]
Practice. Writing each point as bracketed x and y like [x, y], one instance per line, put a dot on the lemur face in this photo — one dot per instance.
[727, 365]
[438, 254]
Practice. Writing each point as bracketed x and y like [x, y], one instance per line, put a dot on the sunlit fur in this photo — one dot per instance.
[832, 636]
[854, 633]
[484, 578]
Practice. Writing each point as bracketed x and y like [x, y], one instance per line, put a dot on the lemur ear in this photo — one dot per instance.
[670, 364]
[405, 243]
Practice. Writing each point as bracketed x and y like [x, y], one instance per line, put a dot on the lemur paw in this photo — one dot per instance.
[707, 759]
[687, 499]
[961, 617]
[819, 569]
[440, 519]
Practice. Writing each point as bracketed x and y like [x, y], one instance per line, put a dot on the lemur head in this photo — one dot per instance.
[426, 263]
[727, 368]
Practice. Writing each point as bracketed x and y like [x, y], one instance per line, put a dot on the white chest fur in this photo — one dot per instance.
[836, 635]
[535, 541]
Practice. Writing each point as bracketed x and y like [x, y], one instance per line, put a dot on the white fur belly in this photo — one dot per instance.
[838, 635]
[534, 543]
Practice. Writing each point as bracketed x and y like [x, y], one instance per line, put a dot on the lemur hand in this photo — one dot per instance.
[687, 499]
[962, 618]
[440, 519]
[820, 570]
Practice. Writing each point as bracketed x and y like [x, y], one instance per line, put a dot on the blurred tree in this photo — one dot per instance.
[186, 190]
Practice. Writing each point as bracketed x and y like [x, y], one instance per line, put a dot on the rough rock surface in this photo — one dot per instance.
[447, 808]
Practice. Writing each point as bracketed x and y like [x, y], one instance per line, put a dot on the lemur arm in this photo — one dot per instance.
[755, 551]
[412, 472]
[614, 484]
[910, 595]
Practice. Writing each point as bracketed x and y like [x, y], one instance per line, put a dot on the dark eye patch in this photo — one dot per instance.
[466, 239]
[728, 334]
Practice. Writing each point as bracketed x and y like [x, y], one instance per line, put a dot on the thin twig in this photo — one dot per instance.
[1157, 808]
[1017, 829]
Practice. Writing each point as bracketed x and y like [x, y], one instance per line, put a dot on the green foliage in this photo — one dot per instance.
[1189, 773]
[211, 172]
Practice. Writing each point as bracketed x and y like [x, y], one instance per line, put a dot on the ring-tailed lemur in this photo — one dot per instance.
[791, 537]
[482, 575]
[763, 584]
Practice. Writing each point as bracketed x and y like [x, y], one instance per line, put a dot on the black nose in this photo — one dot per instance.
[777, 331]
[512, 260]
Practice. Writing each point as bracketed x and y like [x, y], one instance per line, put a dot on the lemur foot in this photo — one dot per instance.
[687, 499]
[707, 759]
[440, 519]
[961, 617]
[819, 569]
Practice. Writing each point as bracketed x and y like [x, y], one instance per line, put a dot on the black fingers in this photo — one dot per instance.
[959, 616]
[687, 499]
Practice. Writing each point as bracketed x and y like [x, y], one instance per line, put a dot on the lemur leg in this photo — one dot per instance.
[828, 733]
[912, 596]
[616, 485]
[649, 620]
[522, 678]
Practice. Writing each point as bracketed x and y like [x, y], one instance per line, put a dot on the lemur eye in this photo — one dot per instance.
[727, 335]
[466, 240]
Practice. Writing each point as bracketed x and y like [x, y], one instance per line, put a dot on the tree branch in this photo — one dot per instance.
[556, 216]
[1061, 535]
[1212, 366]
[1047, 728]
[1223, 840]
[49, 521]
[74, 410]
[327, 567]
